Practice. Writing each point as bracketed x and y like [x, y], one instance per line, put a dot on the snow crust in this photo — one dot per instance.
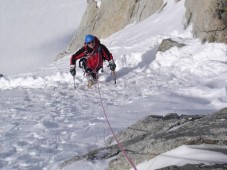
[98, 3]
[187, 154]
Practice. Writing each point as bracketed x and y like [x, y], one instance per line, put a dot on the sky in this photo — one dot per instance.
[34, 32]
[44, 121]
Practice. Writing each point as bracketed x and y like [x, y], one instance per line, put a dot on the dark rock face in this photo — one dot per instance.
[154, 135]
[169, 43]
[208, 18]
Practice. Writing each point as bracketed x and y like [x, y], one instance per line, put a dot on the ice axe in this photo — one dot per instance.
[114, 77]
[74, 82]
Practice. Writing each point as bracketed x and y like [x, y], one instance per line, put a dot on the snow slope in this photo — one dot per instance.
[44, 120]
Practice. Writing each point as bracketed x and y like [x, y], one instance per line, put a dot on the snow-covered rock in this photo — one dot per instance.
[154, 135]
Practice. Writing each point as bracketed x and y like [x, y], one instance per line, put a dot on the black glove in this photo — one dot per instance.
[112, 65]
[73, 70]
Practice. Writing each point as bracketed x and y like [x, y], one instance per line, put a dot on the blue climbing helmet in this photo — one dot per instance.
[89, 38]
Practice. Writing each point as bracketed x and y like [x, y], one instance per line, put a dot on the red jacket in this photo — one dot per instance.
[94, 56]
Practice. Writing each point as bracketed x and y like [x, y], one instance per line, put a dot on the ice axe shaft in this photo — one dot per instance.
[114, 77]
[74, 84]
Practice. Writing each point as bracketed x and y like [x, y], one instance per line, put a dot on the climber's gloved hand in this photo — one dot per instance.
[112, 65]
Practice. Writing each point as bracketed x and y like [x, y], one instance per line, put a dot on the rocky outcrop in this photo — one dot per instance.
[154, 135]
[197, 167]
[166, 44]
[112, 16]
[208, 18]
[159, 134]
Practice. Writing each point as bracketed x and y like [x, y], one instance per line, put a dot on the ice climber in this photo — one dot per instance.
[91, 56]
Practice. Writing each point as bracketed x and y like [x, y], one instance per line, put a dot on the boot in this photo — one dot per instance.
[90, 80]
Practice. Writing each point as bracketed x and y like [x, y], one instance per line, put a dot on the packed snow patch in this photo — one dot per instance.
[187, 154]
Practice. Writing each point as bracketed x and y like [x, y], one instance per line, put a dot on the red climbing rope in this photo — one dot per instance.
[118, 143]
